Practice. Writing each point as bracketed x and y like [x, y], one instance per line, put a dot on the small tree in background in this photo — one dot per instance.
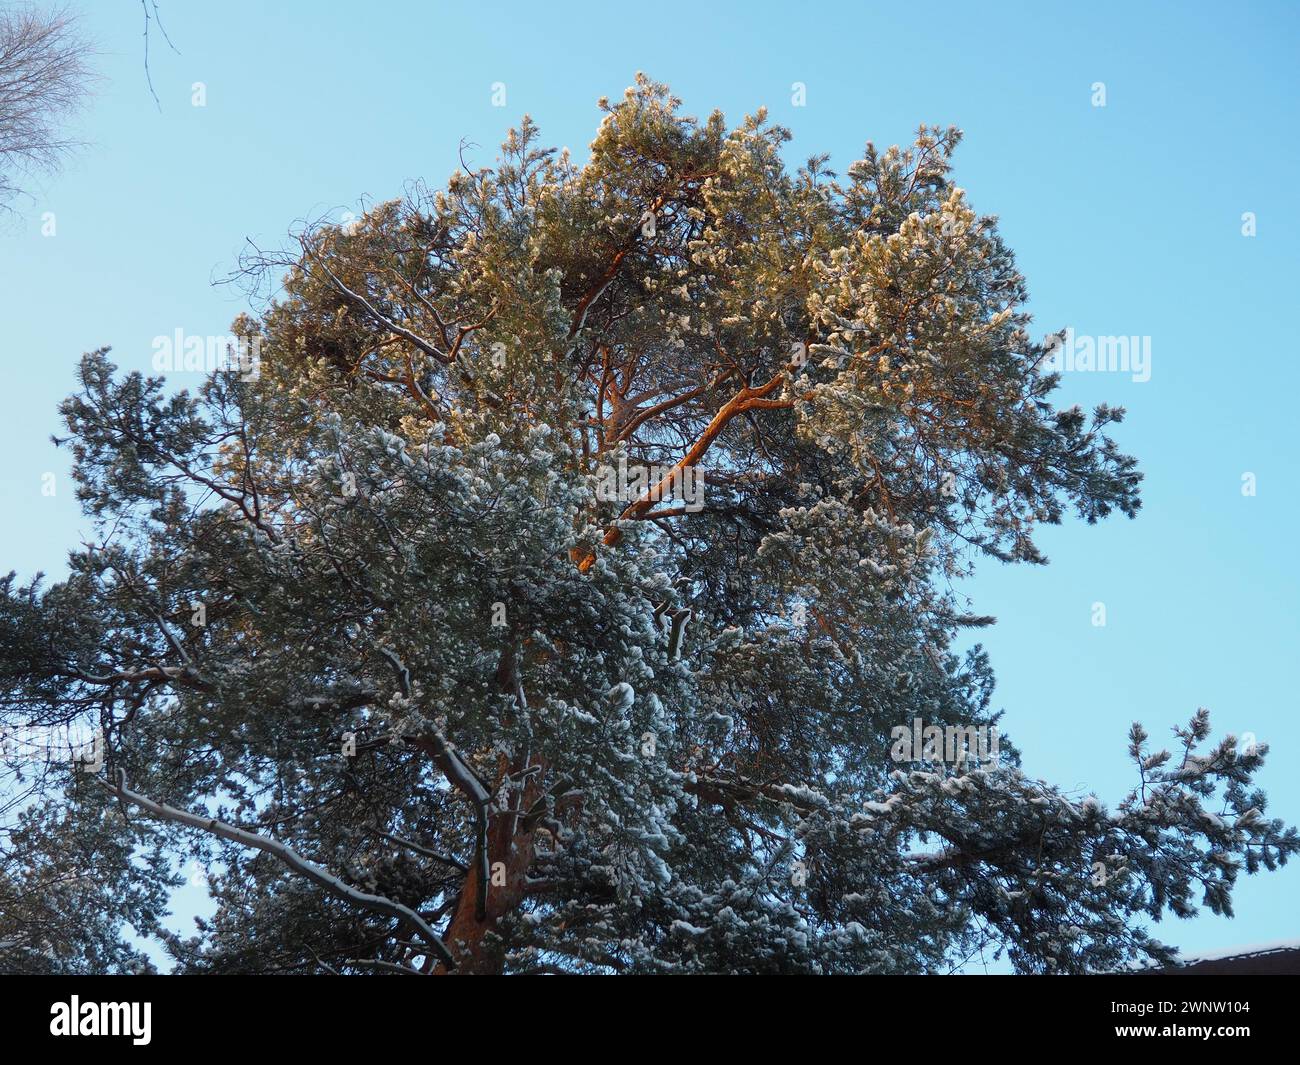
[368, 631]
[44, 80]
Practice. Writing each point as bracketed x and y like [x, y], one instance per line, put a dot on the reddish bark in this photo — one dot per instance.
[475, 943]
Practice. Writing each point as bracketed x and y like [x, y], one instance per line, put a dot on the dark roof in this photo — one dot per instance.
[1268, 961]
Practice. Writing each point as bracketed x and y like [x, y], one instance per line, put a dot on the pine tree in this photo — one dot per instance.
[546, 590]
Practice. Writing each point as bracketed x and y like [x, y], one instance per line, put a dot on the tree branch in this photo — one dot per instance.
[290, 857]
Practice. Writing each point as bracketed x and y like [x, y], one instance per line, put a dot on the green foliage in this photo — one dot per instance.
[582, 734]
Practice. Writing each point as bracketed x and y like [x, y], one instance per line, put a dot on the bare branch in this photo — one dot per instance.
[44, 80]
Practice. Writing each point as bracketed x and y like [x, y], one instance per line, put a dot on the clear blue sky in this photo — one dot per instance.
[1126, 220]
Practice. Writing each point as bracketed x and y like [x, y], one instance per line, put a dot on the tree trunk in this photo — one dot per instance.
[475, 944]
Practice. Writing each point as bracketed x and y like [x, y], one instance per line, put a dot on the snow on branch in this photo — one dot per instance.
[460, 774]
[290, 857]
